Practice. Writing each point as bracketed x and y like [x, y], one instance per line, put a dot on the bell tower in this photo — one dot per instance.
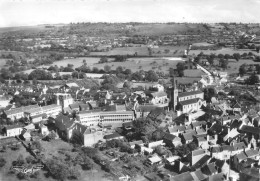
[174, 95]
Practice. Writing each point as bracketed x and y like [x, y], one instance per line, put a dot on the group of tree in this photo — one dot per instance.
[252, 79]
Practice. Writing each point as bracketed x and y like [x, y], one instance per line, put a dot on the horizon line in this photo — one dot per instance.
[126, 22]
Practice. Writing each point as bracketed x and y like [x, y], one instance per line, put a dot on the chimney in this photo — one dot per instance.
[207, 137]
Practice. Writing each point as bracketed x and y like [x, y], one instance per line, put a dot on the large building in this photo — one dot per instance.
[18, 113]
[186, 102]
[94, 118]
[50, 110]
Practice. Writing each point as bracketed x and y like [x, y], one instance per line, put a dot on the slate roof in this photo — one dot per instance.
[190, 101]
[159, 94]
[250, 129]
[169, 136]
[239, 146]
[112, 136]
[20, 109]
[189, 135]
[198, 175]
[201, 162]
[63, 122]
[251, 153]
[182, 177]
[217, 177]
[184, 94]
[175, 129]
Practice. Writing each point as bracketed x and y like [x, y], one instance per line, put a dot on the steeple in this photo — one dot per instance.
[174, 94]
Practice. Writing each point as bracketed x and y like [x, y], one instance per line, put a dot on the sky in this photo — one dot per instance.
[35, 12]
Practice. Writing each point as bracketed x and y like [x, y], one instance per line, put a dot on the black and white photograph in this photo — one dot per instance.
[129, 90]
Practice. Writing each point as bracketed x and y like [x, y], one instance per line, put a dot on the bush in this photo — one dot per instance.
[2, 162]
[30, 159]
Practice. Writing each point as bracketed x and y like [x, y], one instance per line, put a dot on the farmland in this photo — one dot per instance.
[223, 51]
[143, 51]
[135, 64]
[234, 65]
[161, 29]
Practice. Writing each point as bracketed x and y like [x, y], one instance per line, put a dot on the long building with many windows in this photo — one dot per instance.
[92, 118]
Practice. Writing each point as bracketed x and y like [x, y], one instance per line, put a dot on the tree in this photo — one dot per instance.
[236, 56]
[51, 136]
[58, 169]
[242, 70]
[211, 59]
[257, 68]
[159, 150]
[223, 63]
[119, 69]
[227, 56]
[20, 160]
[36, 145]
[29, 159]
[107, 68]
[120, 58]
[128, 84]
[209, 93]
[40, 75]
[180, 68]
[151, 76]
[220, 56]
[103, 60]
[253, 79]
[2, 161]
[68, 69]
[137, 76]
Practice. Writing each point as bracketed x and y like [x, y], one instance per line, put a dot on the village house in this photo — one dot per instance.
[92, 136]
[12, 130]
[171, 140]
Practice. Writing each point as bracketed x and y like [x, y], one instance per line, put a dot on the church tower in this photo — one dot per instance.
[253, 142]
[174, 95]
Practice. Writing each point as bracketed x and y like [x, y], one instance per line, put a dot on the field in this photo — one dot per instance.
[143, 51]
[135, 64]
[162, 29]
[2, 62]
[234, 65]
[202, 44]
[223, 51]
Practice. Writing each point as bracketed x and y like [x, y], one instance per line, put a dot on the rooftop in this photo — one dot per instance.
[184, 94]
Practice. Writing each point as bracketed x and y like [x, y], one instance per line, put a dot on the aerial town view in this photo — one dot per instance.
[127, 90]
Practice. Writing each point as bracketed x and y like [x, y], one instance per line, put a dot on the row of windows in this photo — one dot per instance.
[118, 120]
[85, 121]
[190, 105]
[121, 115]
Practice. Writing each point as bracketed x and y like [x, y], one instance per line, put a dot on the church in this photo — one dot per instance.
[186, 102]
